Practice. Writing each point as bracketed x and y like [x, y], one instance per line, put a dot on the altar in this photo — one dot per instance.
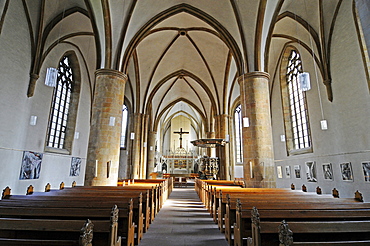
[180, 161]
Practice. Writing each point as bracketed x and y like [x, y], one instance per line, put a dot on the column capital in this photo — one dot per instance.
[111, 72]
[251, 75]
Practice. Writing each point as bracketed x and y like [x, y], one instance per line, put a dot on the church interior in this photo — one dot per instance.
[94, 93]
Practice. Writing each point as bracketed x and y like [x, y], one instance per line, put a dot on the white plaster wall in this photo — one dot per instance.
[347, 139]
[16, 134]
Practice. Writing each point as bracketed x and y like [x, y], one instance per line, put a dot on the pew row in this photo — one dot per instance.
[43, 227]
[311, 227]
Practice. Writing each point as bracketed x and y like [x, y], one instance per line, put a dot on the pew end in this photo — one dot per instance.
[29, 190]
[6, 193]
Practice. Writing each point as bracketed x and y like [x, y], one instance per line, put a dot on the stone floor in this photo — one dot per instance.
[183, 221]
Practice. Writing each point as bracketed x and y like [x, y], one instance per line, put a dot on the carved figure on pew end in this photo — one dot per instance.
[255, 217]
[304, 188]
[114, 240]
[61, 186]
[47, 187]
[285, 234]
[29, 190]
[335, 193]
[358, 196]
[86, 236]
[6, 193]
[292, 186]
[74, 184]
[318, 190]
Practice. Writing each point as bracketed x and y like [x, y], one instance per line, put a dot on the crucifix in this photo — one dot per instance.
[180, 133]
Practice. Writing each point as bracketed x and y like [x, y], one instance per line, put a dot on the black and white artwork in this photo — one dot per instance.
[327, 171]
[311, 171]
[75, 166]
[287, 171]
[297, 171]
[31, 165]
[366, 169]
[346, 170]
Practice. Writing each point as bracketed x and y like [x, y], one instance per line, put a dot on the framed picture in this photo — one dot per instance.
[287, 171]
[75, 166]
[311, 171]
[297, 171]
[346, 171]
[31, 165]
[327, 171]
[366, 169]
[279, 172]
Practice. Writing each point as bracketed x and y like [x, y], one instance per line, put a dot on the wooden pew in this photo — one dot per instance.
[324, 233]
[302, 209]
[83, 207]
[227, 207]
[316, 227]
[141, 197]
[79, 199]
[20, 227]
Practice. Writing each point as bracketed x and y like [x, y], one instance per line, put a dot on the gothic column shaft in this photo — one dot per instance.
[257, 138]
[222, 152]
[105, 131]
[137, 145]
[151, 152]
[144, 149]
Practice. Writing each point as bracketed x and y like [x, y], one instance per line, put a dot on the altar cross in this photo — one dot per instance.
[180, 133]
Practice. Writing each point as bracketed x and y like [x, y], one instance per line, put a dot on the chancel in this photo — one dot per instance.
[135, 103]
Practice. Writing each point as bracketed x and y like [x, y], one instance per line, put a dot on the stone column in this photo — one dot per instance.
[221, 152]
[105, 130]
[144, 147]
[151, 152]
[258, 158]
[137, 146]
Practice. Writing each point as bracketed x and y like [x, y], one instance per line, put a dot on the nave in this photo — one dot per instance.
[182, 221]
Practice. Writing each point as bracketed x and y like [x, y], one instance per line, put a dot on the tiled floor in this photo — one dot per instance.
[183, 221]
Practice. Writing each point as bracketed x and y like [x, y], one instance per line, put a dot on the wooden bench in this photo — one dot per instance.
[142, 200]
[311, 227]
[302, 208]
[32, 226]
[226, 213]
[324, 233]
[76, 207]
[77, 198]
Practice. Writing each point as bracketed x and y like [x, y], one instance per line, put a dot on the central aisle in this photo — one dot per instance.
[183, 221]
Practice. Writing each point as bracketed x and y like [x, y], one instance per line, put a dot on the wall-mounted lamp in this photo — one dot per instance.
[324, 125]
[33, 120]
[132, 135]
[96, 168]
[112, 121]
[282, 138]
[51, 77]
[245, 122]
[304, 81]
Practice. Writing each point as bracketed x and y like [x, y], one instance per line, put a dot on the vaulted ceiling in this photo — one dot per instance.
[184, 57]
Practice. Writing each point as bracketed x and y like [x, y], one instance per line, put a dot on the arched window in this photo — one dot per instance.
[294, 104]
[238, 134]
[63, 112]
[124, 126]
[60, 105]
